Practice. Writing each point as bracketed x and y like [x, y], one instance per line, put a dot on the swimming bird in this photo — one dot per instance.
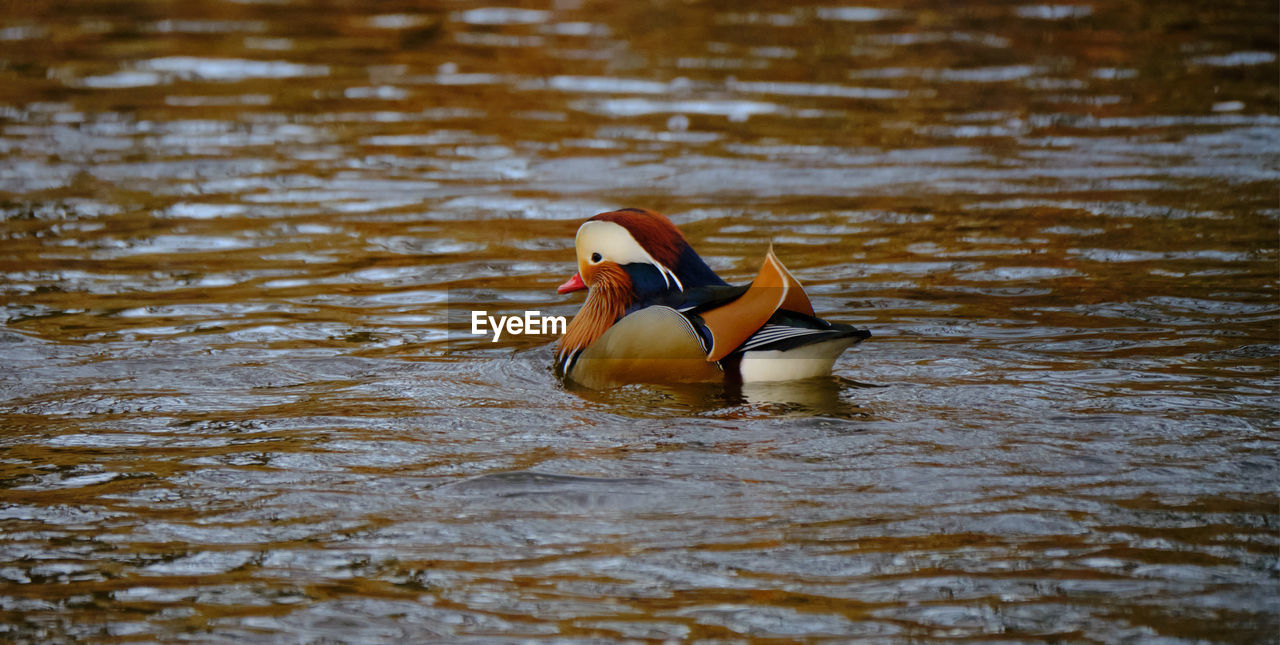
[656, 313]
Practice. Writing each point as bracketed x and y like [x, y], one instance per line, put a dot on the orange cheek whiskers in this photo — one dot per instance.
[609, 296]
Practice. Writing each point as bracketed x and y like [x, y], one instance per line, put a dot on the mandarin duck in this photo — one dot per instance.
[656, 313]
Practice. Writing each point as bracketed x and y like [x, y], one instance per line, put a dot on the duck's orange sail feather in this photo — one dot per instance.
[774, 288]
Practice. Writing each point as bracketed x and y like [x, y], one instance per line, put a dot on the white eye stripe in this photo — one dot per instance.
[614, 242]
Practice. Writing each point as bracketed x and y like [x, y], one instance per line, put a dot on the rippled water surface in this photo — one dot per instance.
[233, 407]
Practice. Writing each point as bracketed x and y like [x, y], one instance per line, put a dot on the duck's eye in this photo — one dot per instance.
[595, 257]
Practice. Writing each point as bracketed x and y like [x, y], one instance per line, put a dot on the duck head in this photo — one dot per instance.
[626, 258]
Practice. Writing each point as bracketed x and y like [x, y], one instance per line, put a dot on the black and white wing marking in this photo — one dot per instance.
[774, 337]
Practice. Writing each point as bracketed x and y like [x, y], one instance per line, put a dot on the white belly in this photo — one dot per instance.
[807, 361]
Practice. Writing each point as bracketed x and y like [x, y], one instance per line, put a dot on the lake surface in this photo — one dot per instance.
[239, 401]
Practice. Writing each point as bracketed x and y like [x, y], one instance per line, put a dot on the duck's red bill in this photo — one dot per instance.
[572, 284]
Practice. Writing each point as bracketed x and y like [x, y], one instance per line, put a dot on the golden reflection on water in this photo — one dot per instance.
[237, 238]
